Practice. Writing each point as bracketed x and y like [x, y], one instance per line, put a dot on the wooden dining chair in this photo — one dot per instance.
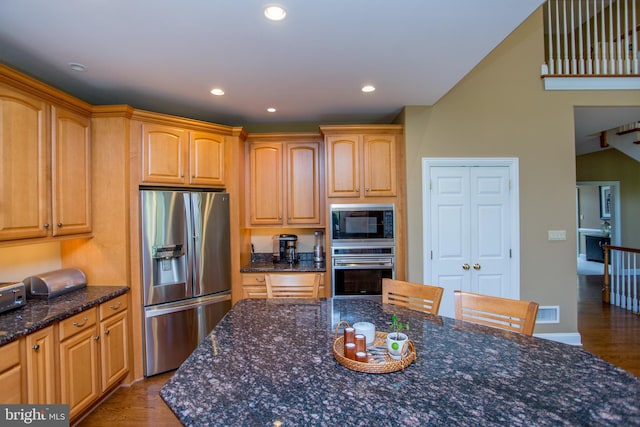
[504, 313]
[412, 295]
[299, 285]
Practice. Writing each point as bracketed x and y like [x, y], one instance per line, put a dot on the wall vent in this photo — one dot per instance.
[548, 314]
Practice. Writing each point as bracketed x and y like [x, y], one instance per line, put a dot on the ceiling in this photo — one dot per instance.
[589, 122]
[166, 55]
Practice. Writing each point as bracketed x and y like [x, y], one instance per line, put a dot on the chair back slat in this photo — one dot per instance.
[412, 295]
[299, 285]
[505, 313]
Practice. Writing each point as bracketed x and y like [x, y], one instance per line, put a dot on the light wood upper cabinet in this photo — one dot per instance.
[343, 166]
[41, 362]
[45, 180]
[285, 180]
[173, 155]
[71, 173]
[164, 149]
[265, 183]
[24, 144]
[303, 183]
[362, 161]
[206, 159]
[379, 166]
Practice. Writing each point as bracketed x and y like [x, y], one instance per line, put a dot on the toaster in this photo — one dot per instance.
[12, 296]
[54, 283]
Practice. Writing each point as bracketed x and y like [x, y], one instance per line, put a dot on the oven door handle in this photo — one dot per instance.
[360, 262]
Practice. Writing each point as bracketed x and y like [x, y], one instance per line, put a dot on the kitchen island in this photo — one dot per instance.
[270, 362]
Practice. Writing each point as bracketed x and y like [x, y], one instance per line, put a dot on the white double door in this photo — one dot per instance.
[470, 227]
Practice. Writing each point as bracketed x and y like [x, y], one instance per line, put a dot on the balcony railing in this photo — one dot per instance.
[622, 284]
[592, 38]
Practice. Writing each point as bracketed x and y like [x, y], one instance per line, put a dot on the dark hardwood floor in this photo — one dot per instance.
[609, 332]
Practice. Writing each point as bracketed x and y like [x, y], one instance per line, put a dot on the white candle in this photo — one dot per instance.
[367, 329]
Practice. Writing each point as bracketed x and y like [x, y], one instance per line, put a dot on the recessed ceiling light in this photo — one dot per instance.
[271, 110]
[77, 67]
[368, 88]
[217, 92]
[275, 12]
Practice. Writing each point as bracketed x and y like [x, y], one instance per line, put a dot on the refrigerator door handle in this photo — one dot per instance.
[185, 305]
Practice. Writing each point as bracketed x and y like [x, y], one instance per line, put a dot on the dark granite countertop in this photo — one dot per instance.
[40, 313]
[271, 361]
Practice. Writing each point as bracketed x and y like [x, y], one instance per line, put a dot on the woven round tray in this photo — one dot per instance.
[373, 365]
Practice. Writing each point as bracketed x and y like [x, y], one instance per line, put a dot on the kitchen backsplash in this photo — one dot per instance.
[263, 240]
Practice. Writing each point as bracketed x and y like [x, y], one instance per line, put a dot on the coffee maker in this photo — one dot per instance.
[288, 244]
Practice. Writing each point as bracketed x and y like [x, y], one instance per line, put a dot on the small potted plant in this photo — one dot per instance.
[396, 339]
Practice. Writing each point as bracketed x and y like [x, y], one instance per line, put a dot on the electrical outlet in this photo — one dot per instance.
[557, 234]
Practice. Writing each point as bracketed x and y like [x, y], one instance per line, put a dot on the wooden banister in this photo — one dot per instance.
[606, 288]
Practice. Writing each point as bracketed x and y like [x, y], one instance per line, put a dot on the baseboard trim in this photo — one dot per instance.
[571, 338]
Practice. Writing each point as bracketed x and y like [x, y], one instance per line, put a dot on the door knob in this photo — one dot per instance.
[466, 266]
[476, 266]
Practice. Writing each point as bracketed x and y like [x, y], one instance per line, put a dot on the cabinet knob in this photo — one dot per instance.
[357, 189]
[97, 337]
[366, 190]
[466, 266]
[36, 347]
[259, 280]
[476, 266]
[59, 224]
[106, 332]
[46, 226]
[115, 307]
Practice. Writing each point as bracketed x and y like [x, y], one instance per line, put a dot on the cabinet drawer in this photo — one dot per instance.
[78, 323]
[9, 355]
[113, 306]
[253, 279]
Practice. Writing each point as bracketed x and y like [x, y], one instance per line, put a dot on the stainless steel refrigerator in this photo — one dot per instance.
[186, 272]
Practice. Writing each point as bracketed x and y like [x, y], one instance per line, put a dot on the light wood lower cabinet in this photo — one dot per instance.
[93, 353]
[11, 387]
[253, 285]
[74, 362]
[114, 342]
[41, 362]
[79, 369]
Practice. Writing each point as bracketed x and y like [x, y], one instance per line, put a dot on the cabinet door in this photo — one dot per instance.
[343, 166]
[79, 373]
[164, 152]
[71, 173]
[206, 159]
[41, 367]
[303, 183]
[114, 349]
[24, 166]
[11, 389]
[379, 165]
[265, 185]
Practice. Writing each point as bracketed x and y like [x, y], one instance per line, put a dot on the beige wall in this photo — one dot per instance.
[612, 165]
[500, 109]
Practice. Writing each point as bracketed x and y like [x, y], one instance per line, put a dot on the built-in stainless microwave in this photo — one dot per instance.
[352, 223]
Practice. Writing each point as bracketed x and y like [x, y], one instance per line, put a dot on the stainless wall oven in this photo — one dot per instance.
[362, 248]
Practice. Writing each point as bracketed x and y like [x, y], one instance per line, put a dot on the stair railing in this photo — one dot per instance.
[621, 284]
[592, 38]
